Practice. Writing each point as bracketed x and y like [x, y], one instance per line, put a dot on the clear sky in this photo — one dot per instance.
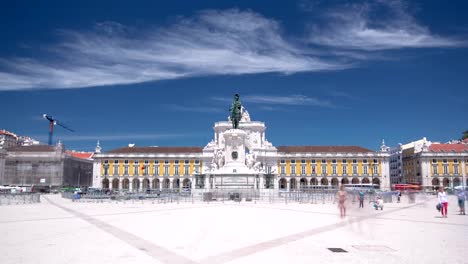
[154, 73]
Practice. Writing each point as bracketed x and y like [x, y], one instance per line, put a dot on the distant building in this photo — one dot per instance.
[396, 164]
[45, 165]
[2, 165]
[411, 172]
[27, 141]
[430, 164]
[445, 164]
[7, 139]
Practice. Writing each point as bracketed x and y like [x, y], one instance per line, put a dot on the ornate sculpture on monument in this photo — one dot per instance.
[245, 115]
[236, 112]
[219, 158]
[258, 166]
[250, 160]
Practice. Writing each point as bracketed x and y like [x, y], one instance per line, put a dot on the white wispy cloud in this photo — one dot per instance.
[214, 42]
[340, 94]
[358, 27]
[111, 137]
[210, 43]
[294, 99]
[199, 109]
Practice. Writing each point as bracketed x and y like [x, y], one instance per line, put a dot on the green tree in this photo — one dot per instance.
[465, 134]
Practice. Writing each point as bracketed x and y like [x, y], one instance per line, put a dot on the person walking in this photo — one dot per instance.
[461, 201]
[443, 201]
[361, 199]
[399, 196]
[341, 196]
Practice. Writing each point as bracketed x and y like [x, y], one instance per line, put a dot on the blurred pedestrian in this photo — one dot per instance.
[361, 199]
[443, 201]
[399, 196]
[341, 196]
[461, 201]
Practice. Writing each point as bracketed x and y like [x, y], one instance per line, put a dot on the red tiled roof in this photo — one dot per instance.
[80, 155]
[33, 148]
[448, 148]
[4, 132]
[334, 149]
[157, 150]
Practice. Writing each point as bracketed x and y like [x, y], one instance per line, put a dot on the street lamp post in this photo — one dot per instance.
[79, 175]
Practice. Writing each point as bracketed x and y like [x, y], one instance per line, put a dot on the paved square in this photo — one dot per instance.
[58, 230]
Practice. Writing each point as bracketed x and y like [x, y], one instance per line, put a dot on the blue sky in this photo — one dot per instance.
[316, 72]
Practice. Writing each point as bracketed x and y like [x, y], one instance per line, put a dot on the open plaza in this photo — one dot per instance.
[233, 132]
[60, 230]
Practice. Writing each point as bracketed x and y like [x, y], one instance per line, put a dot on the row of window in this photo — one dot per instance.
[435, 169]
[325, 161]
[145, 170]
[375, 169]
[155, 162]
[445, 161]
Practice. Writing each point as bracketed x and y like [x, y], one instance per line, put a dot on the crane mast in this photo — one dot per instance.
[53, 122]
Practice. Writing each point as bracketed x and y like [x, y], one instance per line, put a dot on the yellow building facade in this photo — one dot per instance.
[239, 158]
[436, 164]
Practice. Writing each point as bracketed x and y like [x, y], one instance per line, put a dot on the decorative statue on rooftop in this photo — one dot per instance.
[236, 111]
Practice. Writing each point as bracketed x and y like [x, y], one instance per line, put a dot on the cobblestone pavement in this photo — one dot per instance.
[58, 230]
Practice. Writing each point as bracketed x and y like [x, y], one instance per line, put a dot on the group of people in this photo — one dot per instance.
[443, 201]
[462, 195]
[341, 197]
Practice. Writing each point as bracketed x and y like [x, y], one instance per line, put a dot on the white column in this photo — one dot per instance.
[207, 181]
[262, 185]
[140, 187]
[130, 184]
[120, 184]
[463, 171]
[425, 169]
[385, 172]
[288, 184]
[276, 182]
[110, 183]
[97, 179]
[171, 186]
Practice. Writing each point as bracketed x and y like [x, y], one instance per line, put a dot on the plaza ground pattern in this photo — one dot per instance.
[58, 230]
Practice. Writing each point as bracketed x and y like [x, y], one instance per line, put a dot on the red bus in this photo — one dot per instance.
[404, 187]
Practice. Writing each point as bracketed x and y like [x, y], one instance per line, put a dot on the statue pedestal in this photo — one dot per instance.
[234, 155]
[235, 181]
[234, 144]
[235, 174]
